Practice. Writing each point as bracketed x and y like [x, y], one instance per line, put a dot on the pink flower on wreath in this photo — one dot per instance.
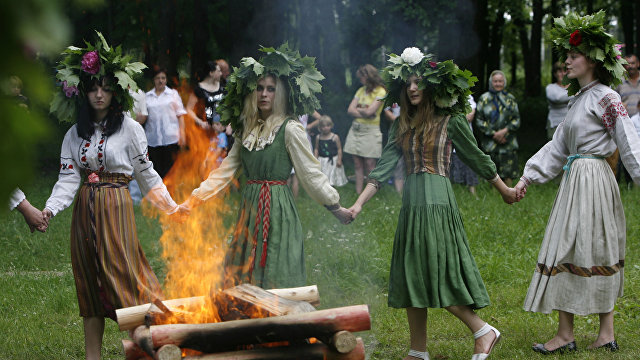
[69, 91]
[433, 64]
[576, 38]
[91, 62]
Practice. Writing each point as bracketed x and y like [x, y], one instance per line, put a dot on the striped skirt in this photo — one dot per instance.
[580, 266]
[109, 267]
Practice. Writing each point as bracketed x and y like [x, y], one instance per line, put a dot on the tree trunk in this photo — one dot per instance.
[493, 54]
[230, 334]
[533, 79]
[481, 26]
[316, 351]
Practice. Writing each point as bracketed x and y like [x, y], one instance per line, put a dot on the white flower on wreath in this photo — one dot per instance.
[412, 56]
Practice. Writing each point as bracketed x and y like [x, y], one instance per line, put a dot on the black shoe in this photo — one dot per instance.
[570, 347]
[611, 346]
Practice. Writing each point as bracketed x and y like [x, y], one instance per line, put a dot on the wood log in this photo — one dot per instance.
[133, 352]
[249, 301]
[343, 341]
[142, 337]
[228, 335]
[168, 352]
[131, 317]
[316, 351]
[305, 293]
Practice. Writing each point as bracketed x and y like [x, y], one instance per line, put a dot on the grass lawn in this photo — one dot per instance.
[39, 317]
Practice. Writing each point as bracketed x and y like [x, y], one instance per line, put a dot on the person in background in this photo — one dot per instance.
[432, 265]
[364, 140]
[267, 248]
[629, 92]
[15, 91]
[100, 154]
[580, 266]
[497, 120]
[328, 150]
[557, 98]
[165, 124]
[460, 173]
[391, 113]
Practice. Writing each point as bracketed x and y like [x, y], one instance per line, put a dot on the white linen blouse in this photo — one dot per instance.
[17, 196]
[306, 166]
[123, 152]
[162, 126]
[596, 124]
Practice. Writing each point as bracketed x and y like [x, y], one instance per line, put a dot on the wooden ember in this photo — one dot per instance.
[133, 352]
[132, 317]
[216, 337]
[316, 351]
[247, 301]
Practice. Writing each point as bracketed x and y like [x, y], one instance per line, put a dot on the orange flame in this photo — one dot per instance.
[194, 251]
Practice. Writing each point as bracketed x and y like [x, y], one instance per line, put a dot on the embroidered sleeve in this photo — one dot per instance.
[69, 177]
[150, 182]
[612, 110]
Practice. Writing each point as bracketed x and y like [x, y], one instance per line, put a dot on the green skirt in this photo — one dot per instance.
[432, 265]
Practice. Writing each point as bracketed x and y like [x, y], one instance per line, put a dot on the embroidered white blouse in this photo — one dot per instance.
[596, 124]
[306, 166]
[123, 152]
[162, 126]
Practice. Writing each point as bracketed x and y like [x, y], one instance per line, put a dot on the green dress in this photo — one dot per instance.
[431, 264]
[284, 265]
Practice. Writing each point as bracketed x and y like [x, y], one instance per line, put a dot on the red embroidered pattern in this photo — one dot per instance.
[613, 109]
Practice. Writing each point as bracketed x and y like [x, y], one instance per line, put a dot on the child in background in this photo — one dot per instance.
[217, 149]
[328, 150]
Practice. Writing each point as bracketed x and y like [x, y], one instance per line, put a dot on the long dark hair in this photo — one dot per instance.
[114, 117]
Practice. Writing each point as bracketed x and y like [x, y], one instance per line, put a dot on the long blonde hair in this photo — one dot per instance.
[250, 113]
[422, 116]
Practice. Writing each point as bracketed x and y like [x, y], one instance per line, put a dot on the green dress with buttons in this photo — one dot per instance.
[284, 265]
[432, 265]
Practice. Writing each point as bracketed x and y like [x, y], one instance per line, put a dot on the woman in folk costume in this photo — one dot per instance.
[432, 265]
[100, 154]
[581, 261]
[263, 101]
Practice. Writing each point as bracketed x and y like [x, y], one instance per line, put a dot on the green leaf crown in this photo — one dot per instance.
[595, 43]
[298, 73]
[71, 75]
[446, 83]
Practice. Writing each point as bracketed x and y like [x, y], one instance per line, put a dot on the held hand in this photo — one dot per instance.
[343, 215]
[33, 217]
[509, 195]
[181, 215]
[355, 210]
[521, 190]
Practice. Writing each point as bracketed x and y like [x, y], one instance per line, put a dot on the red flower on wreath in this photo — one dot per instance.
[91, 62]
[576, 38]
[433, 64]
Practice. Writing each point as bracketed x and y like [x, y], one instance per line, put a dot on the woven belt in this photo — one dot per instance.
[264, 214]
[96, 181]
[572, 158]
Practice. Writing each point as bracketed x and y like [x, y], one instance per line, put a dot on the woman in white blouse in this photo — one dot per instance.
[557, 99]
[164, 126]
[106, 149]
[580, 267]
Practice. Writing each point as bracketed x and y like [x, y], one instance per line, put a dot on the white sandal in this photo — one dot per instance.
[419, 354]
[482, 332]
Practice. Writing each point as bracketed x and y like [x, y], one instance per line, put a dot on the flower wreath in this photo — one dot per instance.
[298, 73]
[93, 62]
[587, 35]
[446, 82]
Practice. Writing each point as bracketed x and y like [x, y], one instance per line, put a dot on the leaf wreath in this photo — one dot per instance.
[587, 35]
[298, 73]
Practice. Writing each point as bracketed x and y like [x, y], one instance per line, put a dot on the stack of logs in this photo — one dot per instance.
[251, 324]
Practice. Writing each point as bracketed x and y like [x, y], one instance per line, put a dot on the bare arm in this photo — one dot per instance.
[315, 148]
[370, 111]
[191, 104]
[353, 108]
[336, 138]
[364, 197]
